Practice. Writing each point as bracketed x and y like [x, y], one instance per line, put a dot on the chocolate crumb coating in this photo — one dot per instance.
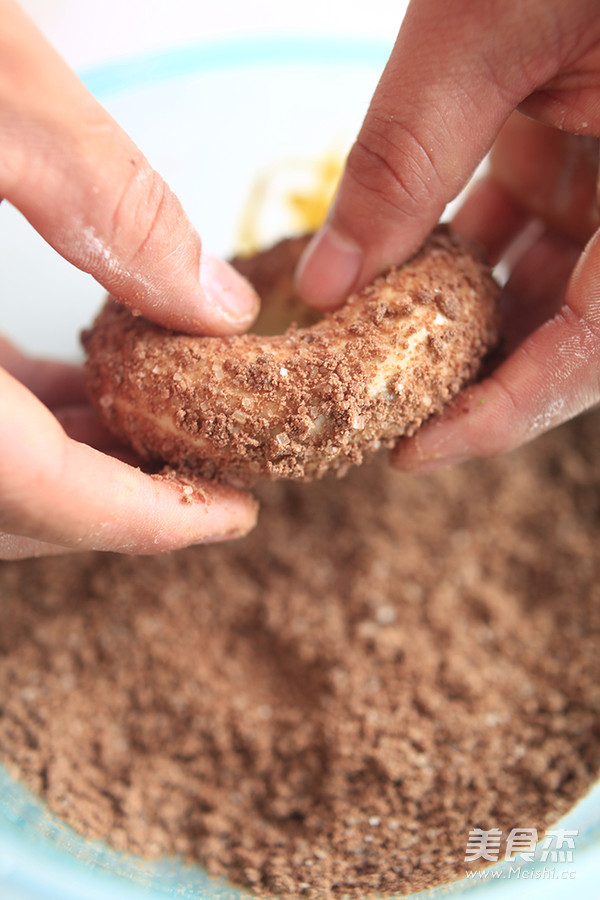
[310, 400]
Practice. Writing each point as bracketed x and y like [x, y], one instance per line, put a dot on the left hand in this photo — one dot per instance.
[55, 456]
[91, 194]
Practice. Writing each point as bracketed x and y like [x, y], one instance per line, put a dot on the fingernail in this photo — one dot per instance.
[234, 518]
[233, 535]
[431, 465]
[329, 268]
[414, 461]
[227, 292]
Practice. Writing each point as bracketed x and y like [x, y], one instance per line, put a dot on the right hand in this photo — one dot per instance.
[456, 74]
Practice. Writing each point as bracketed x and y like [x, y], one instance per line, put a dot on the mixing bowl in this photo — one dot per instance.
[236, 128]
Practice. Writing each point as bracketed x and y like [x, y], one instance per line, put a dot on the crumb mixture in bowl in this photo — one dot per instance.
[327, 707]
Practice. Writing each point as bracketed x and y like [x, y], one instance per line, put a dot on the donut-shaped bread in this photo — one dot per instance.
[314, 398]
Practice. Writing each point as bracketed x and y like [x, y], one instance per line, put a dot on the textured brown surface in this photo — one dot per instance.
[298, 404]
[325, 708]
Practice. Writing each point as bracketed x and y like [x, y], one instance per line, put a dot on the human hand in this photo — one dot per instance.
[87, 189]
[452, 82]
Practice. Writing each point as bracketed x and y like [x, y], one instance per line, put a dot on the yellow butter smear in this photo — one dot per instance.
[291, 196]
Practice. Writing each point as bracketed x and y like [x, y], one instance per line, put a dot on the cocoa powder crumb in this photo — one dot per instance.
[187, 481]
[327, 707]
[176, 398]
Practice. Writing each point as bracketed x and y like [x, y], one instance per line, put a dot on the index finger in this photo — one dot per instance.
[89, 191]
[551, 377]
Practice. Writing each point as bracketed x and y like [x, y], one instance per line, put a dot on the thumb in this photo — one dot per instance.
[89, 191]
[451, 81]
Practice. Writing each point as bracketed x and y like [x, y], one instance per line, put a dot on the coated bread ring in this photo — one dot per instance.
[310, 400]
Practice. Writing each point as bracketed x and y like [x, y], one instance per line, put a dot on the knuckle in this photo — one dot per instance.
[390, 161]
[138, 219]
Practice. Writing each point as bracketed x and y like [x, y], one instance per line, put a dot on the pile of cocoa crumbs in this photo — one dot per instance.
[326, 708]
